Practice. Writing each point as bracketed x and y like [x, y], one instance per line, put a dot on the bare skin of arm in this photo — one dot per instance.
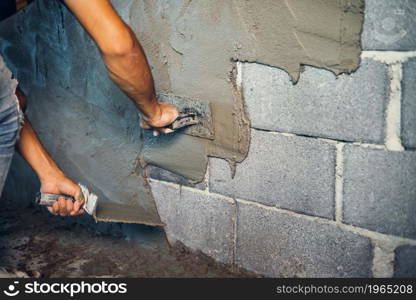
[52, 179]
[125, 60]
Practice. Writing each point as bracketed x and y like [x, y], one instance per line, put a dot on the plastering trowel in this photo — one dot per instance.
[90, 199]
[185, 120]
[194, 116]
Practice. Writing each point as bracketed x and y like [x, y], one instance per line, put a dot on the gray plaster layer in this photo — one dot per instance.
[201, 221]
[405, 262]
[408, 112]
[165, 175]
[23, 67]
[349, 107]
[192, 46]
[379, 190]
[389, 25]
[86, 150]
[281, 245]
[185, 155]
[290, 172]
[88, 126]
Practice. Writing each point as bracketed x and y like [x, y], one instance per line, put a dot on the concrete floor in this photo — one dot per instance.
[42, 245]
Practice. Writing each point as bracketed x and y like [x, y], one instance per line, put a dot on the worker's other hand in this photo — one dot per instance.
[165, 114]
[61, 184]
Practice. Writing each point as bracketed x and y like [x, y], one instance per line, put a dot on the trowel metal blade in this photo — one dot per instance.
[195, 116]
[185, 120]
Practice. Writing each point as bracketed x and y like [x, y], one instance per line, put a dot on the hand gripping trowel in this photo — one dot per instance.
[90, 199]
[194, 116]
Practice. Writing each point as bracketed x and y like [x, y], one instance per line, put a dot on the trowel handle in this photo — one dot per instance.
[50, 199]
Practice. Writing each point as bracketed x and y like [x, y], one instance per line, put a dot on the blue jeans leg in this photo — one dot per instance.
[10, 120]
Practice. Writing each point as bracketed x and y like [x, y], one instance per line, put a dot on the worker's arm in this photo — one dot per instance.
[124, 58]
[52, 179]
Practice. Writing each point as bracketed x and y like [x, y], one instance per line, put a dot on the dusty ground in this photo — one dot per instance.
[33, 241]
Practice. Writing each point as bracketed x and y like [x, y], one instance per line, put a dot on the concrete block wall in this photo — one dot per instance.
[329, 184]
[328, 187]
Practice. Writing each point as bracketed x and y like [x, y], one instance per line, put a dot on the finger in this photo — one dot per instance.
[170, 113]
[55, 207]
[62, 206]
[144, 124]
[75, 211]
[80, 212]
[77, 205]
[166, 130]
[69, 205]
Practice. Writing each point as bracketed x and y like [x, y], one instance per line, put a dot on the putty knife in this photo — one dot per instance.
[90, 199]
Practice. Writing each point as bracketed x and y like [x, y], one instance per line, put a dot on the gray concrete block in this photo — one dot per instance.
[349, 107]
[408, 126]
[165, 175]
[389, 25]
[201, 221]
[289, 172]
[405, 262]
[281, 245]
[380, 190]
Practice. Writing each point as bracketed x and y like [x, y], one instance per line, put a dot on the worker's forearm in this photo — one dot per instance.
[122, 53]
[35, 154]
[131, 72]
[52, 179]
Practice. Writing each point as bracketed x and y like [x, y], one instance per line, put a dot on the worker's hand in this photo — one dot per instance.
[61, 184]
[165, 114]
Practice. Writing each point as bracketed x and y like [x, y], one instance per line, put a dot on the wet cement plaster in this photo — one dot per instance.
[193, 47]
[85, 122]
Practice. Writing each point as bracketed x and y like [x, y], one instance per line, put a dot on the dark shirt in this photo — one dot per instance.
[9, 7]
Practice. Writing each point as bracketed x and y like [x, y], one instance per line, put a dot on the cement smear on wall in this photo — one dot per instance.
[193, 47]
[85, 122]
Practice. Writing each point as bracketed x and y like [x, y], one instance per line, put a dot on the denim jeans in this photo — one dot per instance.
[10, 120]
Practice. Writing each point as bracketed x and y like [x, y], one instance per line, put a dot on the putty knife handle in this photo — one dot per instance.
[49, 199]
